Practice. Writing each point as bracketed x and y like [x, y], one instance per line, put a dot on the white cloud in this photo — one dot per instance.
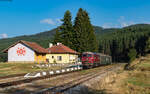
[107, 25]
[123, 22]
[51, 21]
[4, 35]
[110, 25]
[58, 21]
[48, 21]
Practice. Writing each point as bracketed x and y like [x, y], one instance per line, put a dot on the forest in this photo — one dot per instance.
[123, 44]
[127, 43]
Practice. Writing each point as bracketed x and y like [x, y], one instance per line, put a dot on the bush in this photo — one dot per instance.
[3, 57]
[132, 55]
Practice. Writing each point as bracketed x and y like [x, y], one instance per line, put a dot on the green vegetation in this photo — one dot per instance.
[66, 34]
[80, 36]
[138, 81]
[118, 44]
[135, 81]
[85, 39]
[57, 37]
[132, 55]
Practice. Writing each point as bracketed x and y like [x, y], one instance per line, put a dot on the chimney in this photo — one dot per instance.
[50, 45]
[58, 43]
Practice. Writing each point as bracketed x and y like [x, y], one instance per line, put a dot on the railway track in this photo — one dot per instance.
[12, 79]
[62, 88]
[28, 80]
[15, 77]
[11, 76]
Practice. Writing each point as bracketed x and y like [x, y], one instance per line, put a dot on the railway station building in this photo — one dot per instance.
[24, 51]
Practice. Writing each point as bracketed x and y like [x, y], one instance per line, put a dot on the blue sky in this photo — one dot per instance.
[25, 17]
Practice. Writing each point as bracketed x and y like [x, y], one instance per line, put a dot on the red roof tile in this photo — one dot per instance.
[34, 46]
[59, 49]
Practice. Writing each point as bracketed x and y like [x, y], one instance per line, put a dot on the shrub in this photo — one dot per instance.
[132, 55]
[3, 57]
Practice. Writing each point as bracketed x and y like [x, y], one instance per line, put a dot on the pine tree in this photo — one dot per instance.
[147, 48]
[57, 37]
[132, 55]
[84, 33]
[67, 30]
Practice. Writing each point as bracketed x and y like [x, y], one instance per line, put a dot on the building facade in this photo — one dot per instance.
[61, 54]
[23, 51]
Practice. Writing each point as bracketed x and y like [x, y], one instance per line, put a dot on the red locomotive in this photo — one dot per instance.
[90, 59]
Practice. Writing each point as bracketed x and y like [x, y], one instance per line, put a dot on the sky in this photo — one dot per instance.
[26, 17]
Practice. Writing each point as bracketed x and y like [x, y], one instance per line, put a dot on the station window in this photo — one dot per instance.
[59, 58]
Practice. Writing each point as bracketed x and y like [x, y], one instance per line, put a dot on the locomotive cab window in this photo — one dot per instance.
[89, 55]
[86, 55]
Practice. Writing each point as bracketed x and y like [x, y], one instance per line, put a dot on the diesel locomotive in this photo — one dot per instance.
[90, 59]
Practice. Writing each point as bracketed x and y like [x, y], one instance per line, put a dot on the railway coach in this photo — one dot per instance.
[90, 59]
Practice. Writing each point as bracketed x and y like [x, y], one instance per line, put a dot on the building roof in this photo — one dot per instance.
[61, 49]
[34, 46]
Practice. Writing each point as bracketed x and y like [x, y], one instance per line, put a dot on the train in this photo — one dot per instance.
[91, 59]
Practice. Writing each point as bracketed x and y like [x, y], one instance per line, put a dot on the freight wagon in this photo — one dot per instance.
[90, 59]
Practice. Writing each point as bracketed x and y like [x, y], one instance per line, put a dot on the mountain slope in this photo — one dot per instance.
[44, 38]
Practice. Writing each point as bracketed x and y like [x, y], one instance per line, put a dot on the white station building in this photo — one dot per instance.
[26, 52]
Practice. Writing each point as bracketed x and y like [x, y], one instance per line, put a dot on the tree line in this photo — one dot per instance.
[127, 43]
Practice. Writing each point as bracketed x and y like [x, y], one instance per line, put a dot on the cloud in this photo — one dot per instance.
[110, 25]
[123, 22]
[4, 35]
[48, 21]
[51, 21]
[107, 25]
[58, 21]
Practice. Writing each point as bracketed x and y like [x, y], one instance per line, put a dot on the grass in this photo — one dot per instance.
[18, 68]
[136, 81]
[141, 82]
[145, 66]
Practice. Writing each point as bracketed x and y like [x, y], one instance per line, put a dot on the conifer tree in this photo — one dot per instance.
[84, 33]
[67, 30]
[57, 37]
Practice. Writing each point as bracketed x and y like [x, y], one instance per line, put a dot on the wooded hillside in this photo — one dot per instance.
[122, 37]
